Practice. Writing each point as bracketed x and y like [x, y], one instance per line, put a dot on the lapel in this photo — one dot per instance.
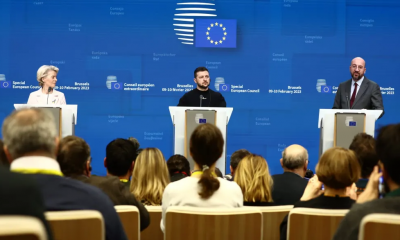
[362, 90]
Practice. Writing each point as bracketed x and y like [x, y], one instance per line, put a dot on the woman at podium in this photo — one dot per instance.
[47, 78]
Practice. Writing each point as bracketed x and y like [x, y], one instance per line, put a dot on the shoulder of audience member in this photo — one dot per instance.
[90, 193]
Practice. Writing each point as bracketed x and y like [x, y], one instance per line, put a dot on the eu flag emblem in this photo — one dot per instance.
[116, 86]
[326, 89]
[202, 120]
[216, 33]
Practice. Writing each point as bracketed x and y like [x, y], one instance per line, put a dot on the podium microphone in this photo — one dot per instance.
[347, 99]
[48, 94]
[201, 99]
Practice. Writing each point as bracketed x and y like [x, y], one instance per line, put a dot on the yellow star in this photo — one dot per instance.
[216, 43]
[224, 29]
[220, 25]
[208, 29]
[220, 41]
[216, 24]
[224, 33]
[211, 41]
[208, 38]
[212, 25]
[223, 38]
[207, 33]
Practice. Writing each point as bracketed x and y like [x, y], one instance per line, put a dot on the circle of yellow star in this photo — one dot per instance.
[209, 30]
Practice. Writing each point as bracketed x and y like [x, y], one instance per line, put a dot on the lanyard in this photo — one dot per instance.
[37, 171]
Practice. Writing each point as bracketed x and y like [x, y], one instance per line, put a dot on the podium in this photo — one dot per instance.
[65, 115]
[339, 126]
[184, 118]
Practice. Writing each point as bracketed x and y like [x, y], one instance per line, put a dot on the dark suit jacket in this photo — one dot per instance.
[20, 195]
[119, 194]
[369, 96]
[288, 188]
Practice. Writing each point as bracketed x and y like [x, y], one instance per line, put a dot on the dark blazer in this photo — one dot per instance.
[20, 195]
[322, 202]
[288, 188]
[369, 96]
[119, 194]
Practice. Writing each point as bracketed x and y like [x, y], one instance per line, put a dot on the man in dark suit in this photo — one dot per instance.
[14, 189]
[289, 186]
[359, 92]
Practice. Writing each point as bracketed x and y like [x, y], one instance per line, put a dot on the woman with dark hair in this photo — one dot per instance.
[178, 167]
[203, 188]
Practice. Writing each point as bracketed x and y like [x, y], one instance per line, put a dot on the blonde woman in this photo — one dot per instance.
[149, 177]
[47, 78]
[252, 176]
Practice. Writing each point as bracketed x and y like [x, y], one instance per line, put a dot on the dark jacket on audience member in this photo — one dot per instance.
[322, 202]
[14, 189]
[350, 225]
[177, 177]
[119, 194]
[288, 188]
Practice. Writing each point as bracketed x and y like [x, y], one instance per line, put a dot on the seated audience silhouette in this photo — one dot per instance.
[3, 159]
[387, 149]
[203, 188]
[236, 157]
[120, 159]
[337, 170]
[289, 186]
[252, 176]
[31, 143]
[178, 167]
[150, 177]
[74, 159]
[363, 146]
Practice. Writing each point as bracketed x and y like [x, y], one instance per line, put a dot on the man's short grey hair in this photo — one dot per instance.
[294, 161]
[29, 130]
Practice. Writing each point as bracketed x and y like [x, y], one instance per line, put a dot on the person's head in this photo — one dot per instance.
[236, 157]
[150, 176]
[387, 148]
[218, 173]
[252, 176]
[202, 78]
[135, 142]
[363, 146]
[338, 168]
[120, 157]
[30, 132]
[206, 147]
[178, 164]
[74, 157]
[3, 159]
[295, 159]
[357, 68]
[47, 76]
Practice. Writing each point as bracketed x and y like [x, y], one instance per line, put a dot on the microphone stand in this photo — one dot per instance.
[48, 94]
[201, 99]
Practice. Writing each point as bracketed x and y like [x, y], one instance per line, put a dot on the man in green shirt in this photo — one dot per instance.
[387, 148]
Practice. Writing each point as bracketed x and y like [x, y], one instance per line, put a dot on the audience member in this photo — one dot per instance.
[120, 159]
[289, 186]
[203, 188]
[252, 176]
[30, 144]
[14, 189]
[337, 170]
[3, 159]
[235, 159]
[136, 144]
[218, 173]
[150, 177]
[74, 159]
[387, 149]
[178, 167]
[363, 146]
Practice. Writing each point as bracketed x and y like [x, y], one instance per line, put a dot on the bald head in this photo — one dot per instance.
[358, 61]
[294, 157]
[29, 130]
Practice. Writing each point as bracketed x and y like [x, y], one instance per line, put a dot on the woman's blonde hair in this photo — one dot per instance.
[338, 168]
[149, 177]
[43, 71]
[252, 176]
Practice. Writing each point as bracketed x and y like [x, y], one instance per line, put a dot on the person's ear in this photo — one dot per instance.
[281, 161]
[195, 81]
[306, 165]
[88, 169]
[230, 167]
[7, 153]
[132, 166]
[57, 146]
[105, 162]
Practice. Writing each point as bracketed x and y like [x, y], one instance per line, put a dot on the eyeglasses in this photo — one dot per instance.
[359, 67]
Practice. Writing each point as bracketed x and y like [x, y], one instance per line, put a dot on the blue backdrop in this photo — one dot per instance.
[278, 51]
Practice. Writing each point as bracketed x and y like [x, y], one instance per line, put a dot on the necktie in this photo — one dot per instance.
[353, 96]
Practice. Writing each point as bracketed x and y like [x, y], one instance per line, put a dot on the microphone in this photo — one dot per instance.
[347, 99]
[201, 99]
[48, 94]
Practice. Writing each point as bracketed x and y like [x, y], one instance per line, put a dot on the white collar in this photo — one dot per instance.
[35, 163]
[359, 82]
